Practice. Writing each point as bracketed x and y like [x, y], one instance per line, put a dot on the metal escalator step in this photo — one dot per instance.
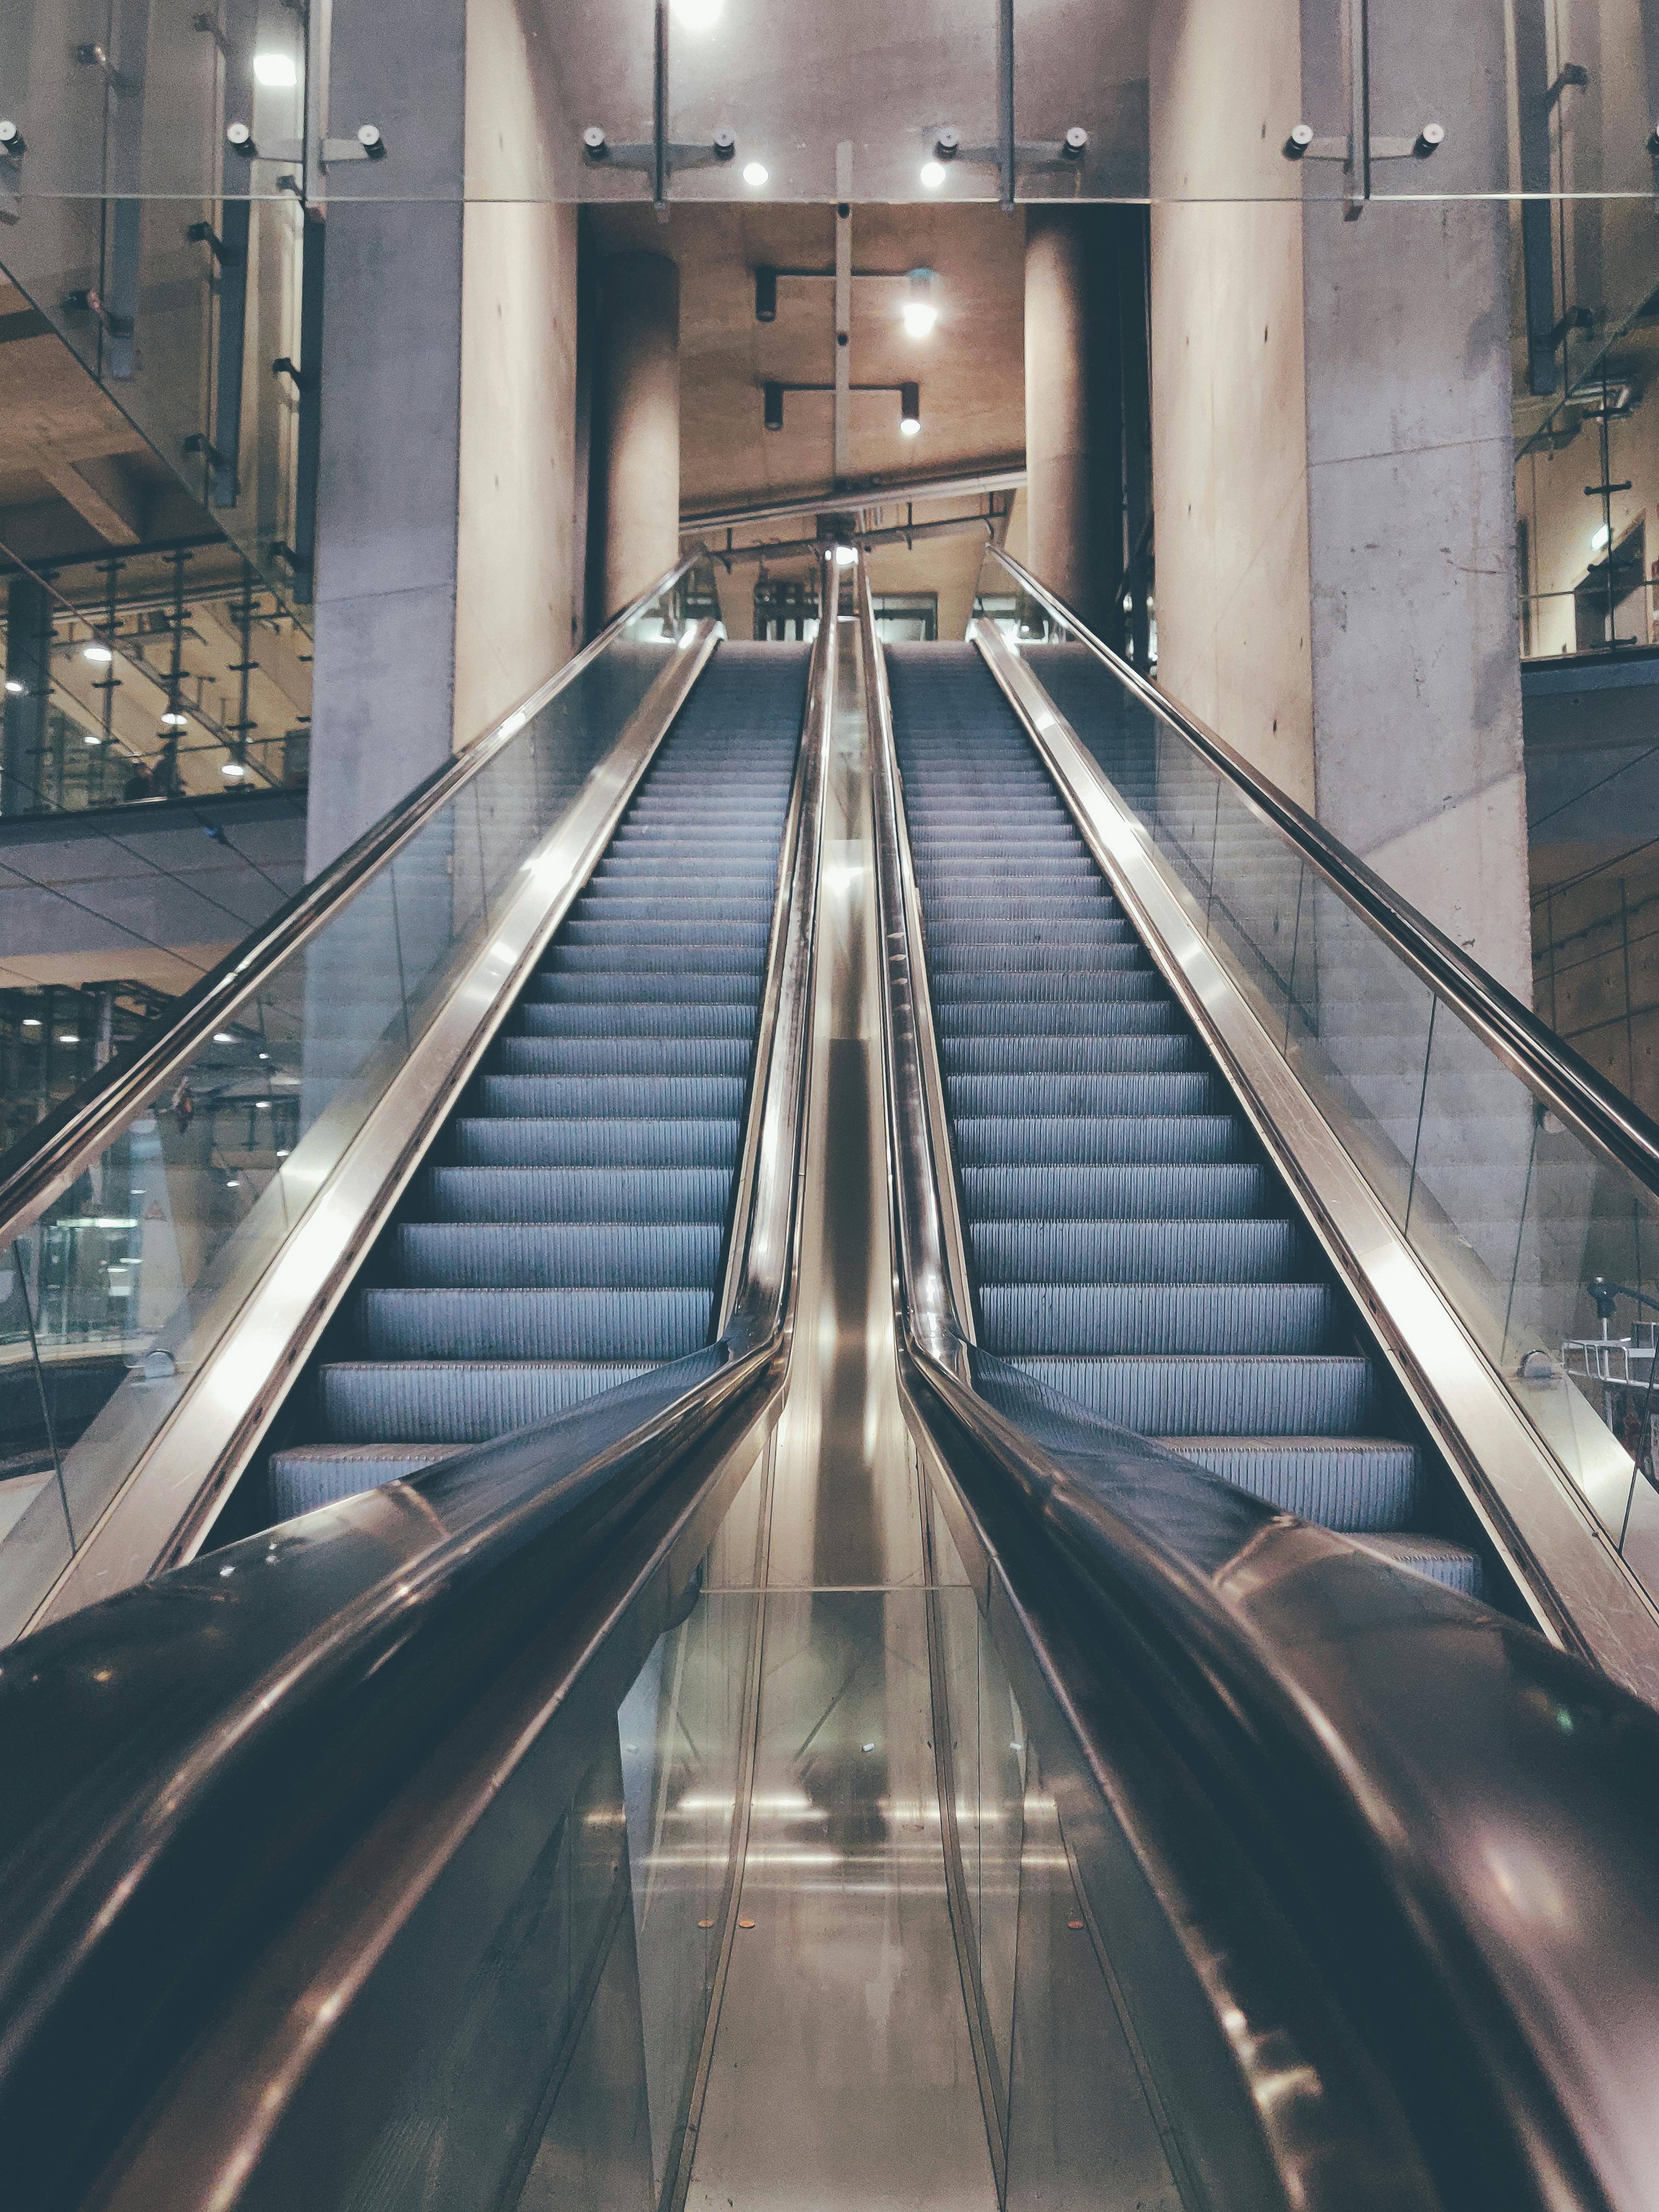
[1200, 1318]
[578, 1194]
[653, 1019]
[1074, 1140]
[1440, 1561]
[950, 961]
[604, 1097]
[394, 1323]
[1125, 1191]
[1351, 1483]
[1056, 1018]
[1091, 986]
[1061, 1251]
[631, 936]
[975, 1097]
[458, 1402]
[710, 905]
[321, 1474]
[623, 962]
[699, 989]
[619, 1056]
[1078, 1056]
[513, 1141]
[548, 1255]
[1236, 1395]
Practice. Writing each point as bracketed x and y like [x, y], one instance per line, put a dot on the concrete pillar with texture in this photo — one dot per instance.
[640, 393]
[1073, 426]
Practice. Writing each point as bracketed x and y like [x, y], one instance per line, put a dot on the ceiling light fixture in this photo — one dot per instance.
[276, 71]
[232, 771]
[933, 174]
[1599, 539]
[99, 655]
[173, 719]
[91, 738]
[754, 174]
[919, 313]
[909, 410]
[846, 555]
[14, 686]
[698, 14]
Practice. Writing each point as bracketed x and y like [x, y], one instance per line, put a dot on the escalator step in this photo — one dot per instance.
[619, 1056]
[634, 1324]
[1352, 1483]
[1187, 1191]
[612, 1098]
[1236, 1395]
[1441, 1561]
[509, 1141]
[1004, 1096]
[1071, 1140]
[1127, 1251]
[503, 1255]
[319, 1474]
[577, 1195]
[1067, 1318]
[457, 1401]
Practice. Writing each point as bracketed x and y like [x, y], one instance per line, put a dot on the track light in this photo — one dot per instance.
[909, 410]
[772, 395]
[933, 174]
[846, 555]
[766, 295]
[919, 313]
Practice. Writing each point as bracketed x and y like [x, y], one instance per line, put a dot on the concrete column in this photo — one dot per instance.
[1332, 443]
[1073, 426]
[29, 662]
[639, 392]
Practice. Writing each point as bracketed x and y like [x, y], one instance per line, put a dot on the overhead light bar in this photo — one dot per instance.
[919, 313]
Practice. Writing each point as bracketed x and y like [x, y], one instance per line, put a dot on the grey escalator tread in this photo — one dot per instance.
[1131, 1248]
[568, 1231]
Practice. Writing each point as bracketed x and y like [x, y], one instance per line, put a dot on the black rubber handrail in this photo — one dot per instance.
[43, 1163]
[1615, 1124]
[1458, 1823]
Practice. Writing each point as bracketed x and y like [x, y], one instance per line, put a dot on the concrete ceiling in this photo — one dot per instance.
[971, 368]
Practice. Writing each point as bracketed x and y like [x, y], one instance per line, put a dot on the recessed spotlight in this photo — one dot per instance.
[933, 174]
[754, 174]
[275, 71]
[99, 655]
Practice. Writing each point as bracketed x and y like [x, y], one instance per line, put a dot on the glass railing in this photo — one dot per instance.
[117, 1282]
[1516, 1176]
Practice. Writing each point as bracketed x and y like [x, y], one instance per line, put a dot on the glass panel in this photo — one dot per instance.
[1513, 1216]
[144, 1262]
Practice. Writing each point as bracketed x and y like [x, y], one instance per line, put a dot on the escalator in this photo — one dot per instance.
[1132, 1248]
[861, 1737]
[569, 1228]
